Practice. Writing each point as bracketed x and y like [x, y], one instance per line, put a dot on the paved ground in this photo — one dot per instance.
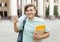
[7, 33]
[54, 26]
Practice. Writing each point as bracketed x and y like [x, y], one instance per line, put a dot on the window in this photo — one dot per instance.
[0, 4]
[5, 4]
[47, 0]
[5, 13]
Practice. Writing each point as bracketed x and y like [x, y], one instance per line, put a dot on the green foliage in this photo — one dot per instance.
[55, 11]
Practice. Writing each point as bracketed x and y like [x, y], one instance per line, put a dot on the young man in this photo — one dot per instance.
[29, 34]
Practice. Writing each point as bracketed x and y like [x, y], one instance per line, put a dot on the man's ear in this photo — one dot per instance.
[35, 12]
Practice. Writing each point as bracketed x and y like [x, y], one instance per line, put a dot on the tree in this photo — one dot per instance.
[55, 11]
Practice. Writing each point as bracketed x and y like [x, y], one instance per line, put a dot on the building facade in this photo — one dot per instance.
[11, 8]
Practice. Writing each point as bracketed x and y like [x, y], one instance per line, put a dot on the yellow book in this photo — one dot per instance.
[40, 28]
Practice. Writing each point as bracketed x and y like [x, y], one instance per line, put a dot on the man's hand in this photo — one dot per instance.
[37, 36]
[15, 19]
[15, 24]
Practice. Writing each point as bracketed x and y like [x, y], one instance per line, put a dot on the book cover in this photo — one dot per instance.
[40, 28]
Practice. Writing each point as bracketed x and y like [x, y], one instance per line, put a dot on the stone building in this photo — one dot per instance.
[11, 8]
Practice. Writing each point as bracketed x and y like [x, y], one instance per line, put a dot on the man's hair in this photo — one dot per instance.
[29, 5]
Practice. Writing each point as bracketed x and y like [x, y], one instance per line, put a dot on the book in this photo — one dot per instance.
[40, 28]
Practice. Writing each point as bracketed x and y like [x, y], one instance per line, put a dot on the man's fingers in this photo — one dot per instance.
[15, 19]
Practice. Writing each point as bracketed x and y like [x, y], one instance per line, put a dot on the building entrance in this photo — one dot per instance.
[3, 14]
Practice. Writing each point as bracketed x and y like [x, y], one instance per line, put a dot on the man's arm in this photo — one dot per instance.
[45, 35]
[15, 24]
[15, 28]
[40, 36]
[16, 19]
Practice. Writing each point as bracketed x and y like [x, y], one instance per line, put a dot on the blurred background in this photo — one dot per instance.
[46, 9]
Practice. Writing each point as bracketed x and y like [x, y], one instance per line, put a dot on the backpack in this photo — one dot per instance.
[20, 35]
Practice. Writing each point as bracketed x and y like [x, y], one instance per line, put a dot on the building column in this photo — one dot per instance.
[32, 1]
[25, 2]
[44, 8]
[51, 9]
[40, 8]
[13, 8]
[36, 4]
[28, 1]
[59, 9]
[22, 7]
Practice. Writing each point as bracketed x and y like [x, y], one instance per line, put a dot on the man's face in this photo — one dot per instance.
[30, 12]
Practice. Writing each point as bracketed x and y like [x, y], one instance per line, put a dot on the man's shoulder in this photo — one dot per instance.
[39, 19]
[21, 18]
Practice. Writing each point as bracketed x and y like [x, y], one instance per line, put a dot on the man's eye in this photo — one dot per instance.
[31, 10]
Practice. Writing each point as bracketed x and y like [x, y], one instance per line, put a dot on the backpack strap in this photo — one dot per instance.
[23, 28]
[24, 21]
[20, 35]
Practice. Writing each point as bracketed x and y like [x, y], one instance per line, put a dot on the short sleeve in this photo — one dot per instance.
[20, 22]
[21, 18]
[46, 29]
[42, 21]
[19, 25]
